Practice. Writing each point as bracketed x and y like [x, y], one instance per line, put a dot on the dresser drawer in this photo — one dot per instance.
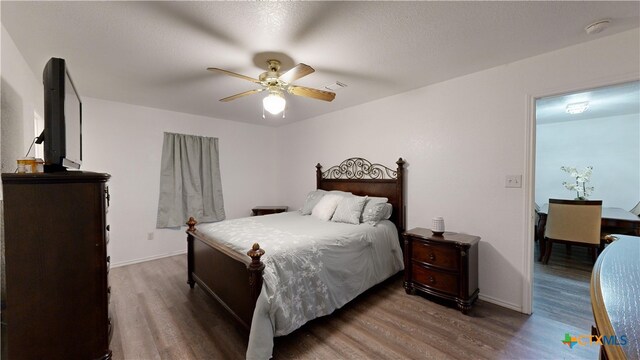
[445, 257]
[435, 279]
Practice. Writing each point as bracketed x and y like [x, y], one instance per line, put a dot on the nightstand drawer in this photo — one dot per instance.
[445, 257]
[444, 265]
[435, 279]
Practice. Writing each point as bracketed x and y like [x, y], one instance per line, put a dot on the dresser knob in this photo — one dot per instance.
[108, 227]
[432, 257]
[432, 280]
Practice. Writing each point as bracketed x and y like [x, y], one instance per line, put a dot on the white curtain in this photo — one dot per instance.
[190, 183]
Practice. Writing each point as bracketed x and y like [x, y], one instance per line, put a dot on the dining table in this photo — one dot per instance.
[614, 221]
[615, 290]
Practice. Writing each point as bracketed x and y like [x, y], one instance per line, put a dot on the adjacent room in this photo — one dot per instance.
[297, 180]
[587, 149]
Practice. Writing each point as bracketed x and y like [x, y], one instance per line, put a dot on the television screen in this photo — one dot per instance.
[62, 118]
[73, 124]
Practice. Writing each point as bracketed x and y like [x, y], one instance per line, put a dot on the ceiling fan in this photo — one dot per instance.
[277, 84]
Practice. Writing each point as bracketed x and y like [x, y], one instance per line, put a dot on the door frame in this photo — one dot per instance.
[530, 167]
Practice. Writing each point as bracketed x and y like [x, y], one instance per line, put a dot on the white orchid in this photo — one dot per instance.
[580, 185]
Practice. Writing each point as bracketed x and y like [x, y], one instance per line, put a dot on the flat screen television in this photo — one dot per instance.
[62, 133]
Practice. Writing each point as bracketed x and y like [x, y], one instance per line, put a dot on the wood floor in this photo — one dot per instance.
[157, 316]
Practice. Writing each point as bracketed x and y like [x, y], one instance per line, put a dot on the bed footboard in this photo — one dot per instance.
[235, 282]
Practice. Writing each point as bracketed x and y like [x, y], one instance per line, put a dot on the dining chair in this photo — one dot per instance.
[636, 209]
[536, 209]
[573, 222]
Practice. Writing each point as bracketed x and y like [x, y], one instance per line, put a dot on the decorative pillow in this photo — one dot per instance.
[312, 199]
[367, 213]
[349, 210]
[376, 213]
[388, 209]
[326, 206]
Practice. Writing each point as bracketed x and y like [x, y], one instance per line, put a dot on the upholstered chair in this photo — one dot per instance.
[536, 220]
[573, 222]
[636, 209]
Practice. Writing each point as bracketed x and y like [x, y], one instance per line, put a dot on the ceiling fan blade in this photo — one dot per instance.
[231, 73]
[296, 73]
[312, 93]
[233, 97]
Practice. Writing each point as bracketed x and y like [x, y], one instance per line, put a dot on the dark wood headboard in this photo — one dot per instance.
[360, 177]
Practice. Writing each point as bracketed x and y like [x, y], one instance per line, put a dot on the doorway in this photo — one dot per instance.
[599, 128]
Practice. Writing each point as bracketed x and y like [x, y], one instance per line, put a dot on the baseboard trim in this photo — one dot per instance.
[155, 257]
[500, 303]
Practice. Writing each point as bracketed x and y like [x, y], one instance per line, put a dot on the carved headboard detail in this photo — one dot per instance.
[359, 168]
[361, 177]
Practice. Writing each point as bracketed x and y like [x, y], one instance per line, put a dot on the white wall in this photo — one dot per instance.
[460, 138]
[22, 94]
[126, 142]
[611, 145]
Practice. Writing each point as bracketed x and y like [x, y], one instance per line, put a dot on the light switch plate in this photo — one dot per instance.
[513, 181]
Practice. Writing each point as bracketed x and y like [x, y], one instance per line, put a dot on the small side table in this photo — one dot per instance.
[266, 210]
[444, 266]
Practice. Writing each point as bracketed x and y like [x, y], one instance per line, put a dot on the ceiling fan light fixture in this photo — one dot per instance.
[274, 103]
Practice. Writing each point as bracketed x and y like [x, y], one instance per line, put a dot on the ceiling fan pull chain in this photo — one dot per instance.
[263, 113]
[283, 112]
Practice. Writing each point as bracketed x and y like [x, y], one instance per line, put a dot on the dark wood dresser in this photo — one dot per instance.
[266, 210]
[56, 266]
[444, 266]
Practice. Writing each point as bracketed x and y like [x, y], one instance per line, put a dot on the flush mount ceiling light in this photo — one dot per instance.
[274, 103]
[577, 108]
[597, 26]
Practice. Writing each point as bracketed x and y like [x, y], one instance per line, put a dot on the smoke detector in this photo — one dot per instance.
[597, 26]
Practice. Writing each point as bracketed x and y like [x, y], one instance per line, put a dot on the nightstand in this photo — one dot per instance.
[443, 266]
[266, 210]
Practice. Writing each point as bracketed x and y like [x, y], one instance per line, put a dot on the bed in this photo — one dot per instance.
[254, 288]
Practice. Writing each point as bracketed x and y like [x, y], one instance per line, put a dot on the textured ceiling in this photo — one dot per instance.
[155, 53]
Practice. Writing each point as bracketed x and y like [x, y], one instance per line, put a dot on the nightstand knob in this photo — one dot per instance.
[432, 280]
[432, 257]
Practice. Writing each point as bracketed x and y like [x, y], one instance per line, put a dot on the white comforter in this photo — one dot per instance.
[312, 267]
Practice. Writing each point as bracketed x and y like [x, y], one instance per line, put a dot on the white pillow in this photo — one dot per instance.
[349, 210]
[326, 206]
[368, 214]
[341, 193]
[388, 209]
[312, 199]
[378, 212]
